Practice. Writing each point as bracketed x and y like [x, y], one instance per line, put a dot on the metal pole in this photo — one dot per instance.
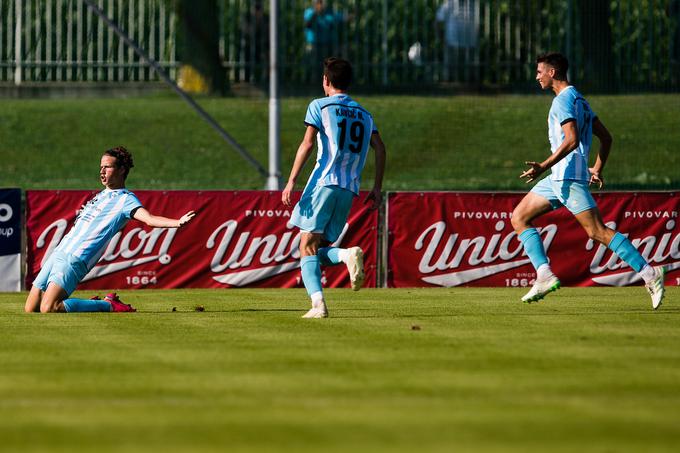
[384, 43]
[18, 25]
[154, 64]
[274, 178]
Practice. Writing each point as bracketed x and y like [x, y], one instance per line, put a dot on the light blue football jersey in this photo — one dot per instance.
[567, 106]
[344, 136]
[100, 219]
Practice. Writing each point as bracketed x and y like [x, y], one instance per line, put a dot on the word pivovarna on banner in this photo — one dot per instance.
[238, 239]
[467, 239]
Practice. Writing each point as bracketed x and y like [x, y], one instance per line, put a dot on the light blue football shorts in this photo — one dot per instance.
[324, 209]
[62, 269]
[575, 195]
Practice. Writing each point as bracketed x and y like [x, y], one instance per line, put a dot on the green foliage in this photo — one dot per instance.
[435, 143]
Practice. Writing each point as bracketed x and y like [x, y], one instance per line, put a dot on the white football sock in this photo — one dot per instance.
[343, 254]
[543, 272]
[648, 273]
[317, 299]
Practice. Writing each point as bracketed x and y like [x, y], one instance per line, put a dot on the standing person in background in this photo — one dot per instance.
[78, 252]
[255, 42]
[571, 125]
[343, 130]
[460, 30]
[321, 35]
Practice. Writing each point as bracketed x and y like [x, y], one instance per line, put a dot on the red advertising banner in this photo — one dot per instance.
[466, 239]
[237, 239]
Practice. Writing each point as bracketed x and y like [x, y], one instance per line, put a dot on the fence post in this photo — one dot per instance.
[384, 44]
[274, 177]
[18, 25]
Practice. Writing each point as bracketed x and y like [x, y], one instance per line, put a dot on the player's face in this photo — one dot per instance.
[111, 176]
[544, 75]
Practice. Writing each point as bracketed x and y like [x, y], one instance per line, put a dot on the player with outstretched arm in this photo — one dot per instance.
[343, 130]
[571, 125]
[78, 252]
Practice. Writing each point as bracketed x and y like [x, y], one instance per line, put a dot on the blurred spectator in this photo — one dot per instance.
[322, 27]
[461, 26]
[255, 43]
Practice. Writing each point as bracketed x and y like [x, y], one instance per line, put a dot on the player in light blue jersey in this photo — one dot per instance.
[78, 252]
[343, 130]
[571, 125]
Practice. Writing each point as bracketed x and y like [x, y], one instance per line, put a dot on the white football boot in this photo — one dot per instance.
[655, 288]
[355, 267]
[317, 311]
[541, 288]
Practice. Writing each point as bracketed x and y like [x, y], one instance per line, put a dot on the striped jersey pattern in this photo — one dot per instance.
[568, 106]
[101, 218]
[345, 129]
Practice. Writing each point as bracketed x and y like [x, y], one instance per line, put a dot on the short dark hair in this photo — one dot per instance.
[558, 61]
[123, 158]
[338, 72]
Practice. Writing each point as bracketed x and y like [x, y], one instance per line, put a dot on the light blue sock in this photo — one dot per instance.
[534, 247]
[83, 305]
[625, 250]
[311, 273]
[329, 256]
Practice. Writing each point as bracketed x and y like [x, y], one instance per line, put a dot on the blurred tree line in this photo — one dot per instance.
[613, 45]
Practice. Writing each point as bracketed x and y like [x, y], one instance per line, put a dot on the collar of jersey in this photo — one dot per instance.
[565, 90]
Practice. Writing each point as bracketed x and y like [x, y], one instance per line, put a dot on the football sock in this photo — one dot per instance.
[544, 272]
[533, 246]
[317, 299]
[86, 305]
[329, 256]
[648, 273]
[311, 273]
[625, 250]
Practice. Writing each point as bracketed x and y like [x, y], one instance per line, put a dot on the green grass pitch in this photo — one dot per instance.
[588, 369]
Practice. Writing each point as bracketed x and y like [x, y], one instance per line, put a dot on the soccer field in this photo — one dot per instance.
[589, 369]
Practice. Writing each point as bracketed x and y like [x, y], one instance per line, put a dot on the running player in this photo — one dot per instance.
[343, 130]
[78, 252]
[571, 125]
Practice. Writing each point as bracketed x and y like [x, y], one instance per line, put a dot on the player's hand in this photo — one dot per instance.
[596, 178]
[186, 218]
[375, 197]
[534, 172]
[285, 196]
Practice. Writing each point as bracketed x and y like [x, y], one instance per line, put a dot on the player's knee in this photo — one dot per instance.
[308, 250]
[49, 307]
[518, 221]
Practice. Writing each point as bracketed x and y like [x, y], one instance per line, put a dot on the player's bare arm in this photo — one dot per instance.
[605, 138]
[156, 221]
[375, 196]
[569, 143]
[303, 153]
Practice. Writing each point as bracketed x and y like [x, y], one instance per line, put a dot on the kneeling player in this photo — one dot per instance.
[78, 252]
[345, 130]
